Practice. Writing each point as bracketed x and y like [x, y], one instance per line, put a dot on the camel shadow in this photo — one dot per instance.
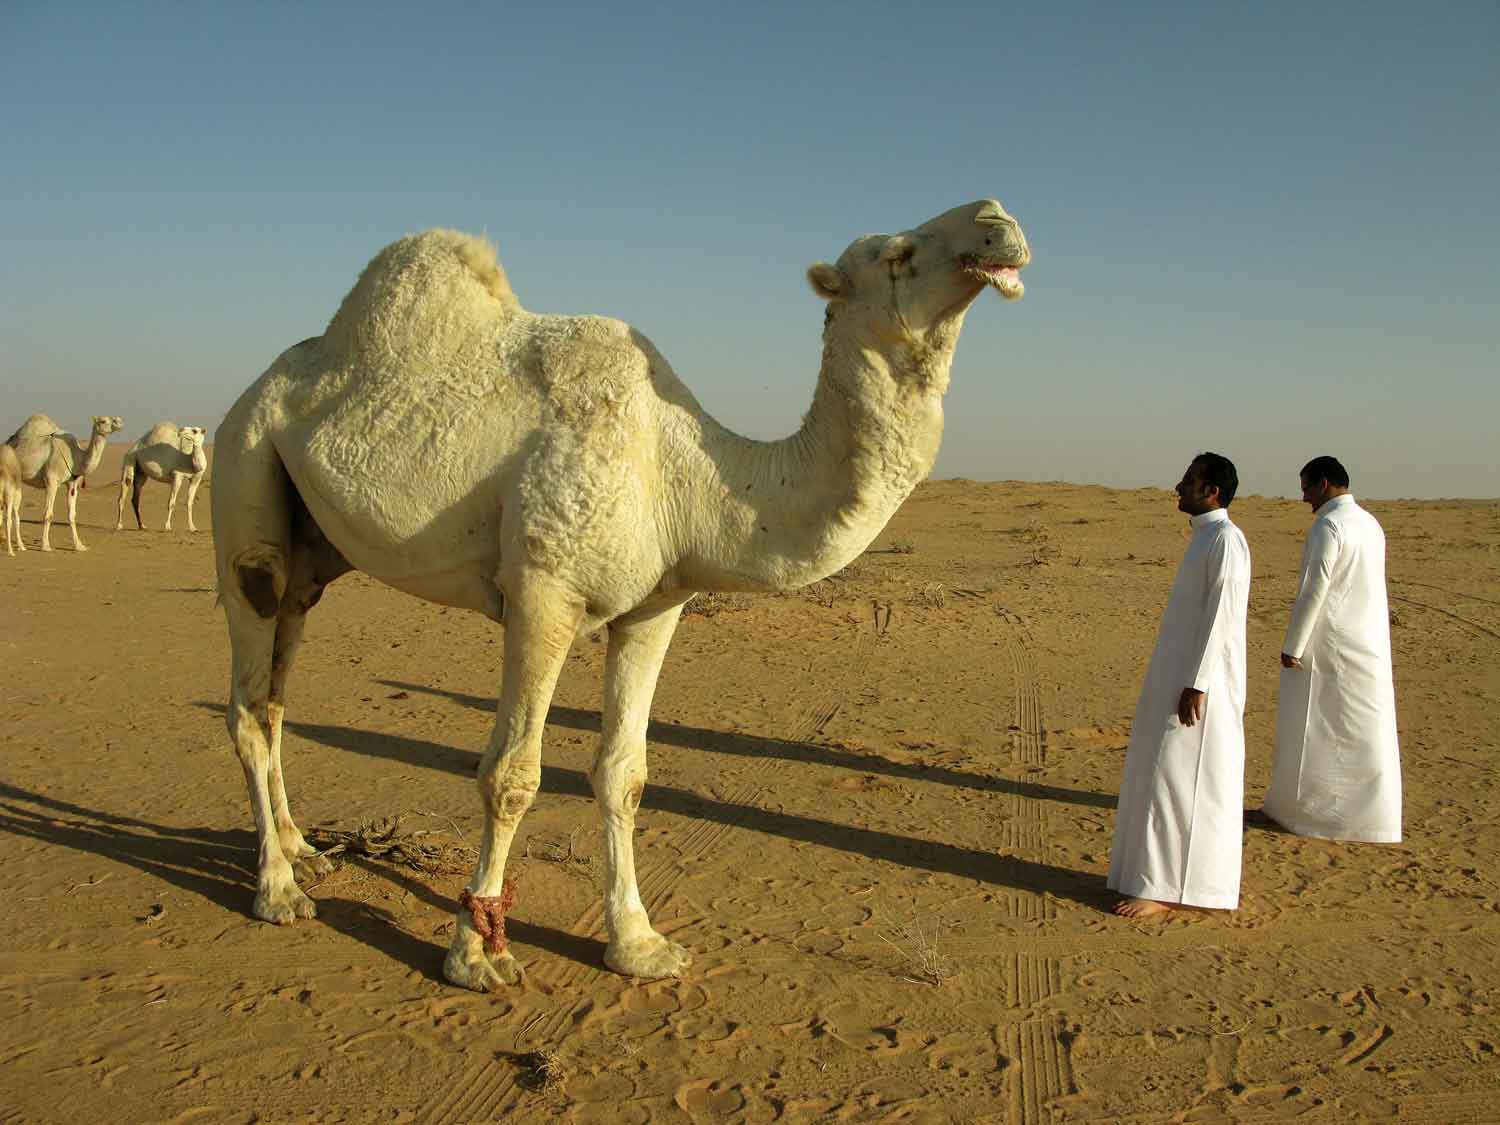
[219, 865]
[807, 753]
[907, 851]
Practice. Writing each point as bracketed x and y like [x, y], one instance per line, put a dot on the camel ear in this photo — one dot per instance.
[827, 281]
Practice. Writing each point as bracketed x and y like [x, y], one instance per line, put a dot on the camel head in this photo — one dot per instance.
[191, 438]
[928, 276]
[104, 424]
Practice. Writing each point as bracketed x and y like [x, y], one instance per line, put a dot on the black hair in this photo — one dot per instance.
[1326, 468]
[1218, 471]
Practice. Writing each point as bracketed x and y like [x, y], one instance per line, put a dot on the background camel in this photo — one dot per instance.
[50, 458]
[553, 472]
[10, 497]
[168, 453]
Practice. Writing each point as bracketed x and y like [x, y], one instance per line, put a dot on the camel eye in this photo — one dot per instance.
[986, 241]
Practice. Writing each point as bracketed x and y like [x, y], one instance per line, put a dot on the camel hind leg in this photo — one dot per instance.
[315, 562]
[253, 548]
[127, 479]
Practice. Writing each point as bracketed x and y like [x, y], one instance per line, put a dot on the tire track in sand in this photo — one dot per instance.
[1042, 1069]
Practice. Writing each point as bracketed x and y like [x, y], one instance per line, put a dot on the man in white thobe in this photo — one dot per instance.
[1179, 825]
[1337, 771]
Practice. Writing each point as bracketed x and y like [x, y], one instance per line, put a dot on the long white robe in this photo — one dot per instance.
[1337, 771]
[1181, 815]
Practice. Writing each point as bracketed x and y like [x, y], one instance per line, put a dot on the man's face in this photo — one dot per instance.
[1315, 493]
[1194, 494]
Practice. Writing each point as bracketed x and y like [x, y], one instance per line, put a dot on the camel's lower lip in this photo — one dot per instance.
[1005, 279]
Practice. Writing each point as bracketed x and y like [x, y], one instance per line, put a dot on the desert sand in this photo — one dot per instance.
[879, 815]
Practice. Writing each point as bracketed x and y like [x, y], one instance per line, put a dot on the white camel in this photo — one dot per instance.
[10, 497]
[51, 458]
[552, 472]
[168, 453]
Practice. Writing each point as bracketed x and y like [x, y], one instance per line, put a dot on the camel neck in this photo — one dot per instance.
[785, 513]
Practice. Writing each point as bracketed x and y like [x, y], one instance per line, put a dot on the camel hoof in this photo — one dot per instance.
[45, 547]
[80, 547]
[469, 966]
[284, 906]
[650, 958]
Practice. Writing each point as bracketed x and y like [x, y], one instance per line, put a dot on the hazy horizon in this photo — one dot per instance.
[1267, 232]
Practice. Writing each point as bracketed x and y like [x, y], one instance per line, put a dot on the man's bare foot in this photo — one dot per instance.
[1142, 907]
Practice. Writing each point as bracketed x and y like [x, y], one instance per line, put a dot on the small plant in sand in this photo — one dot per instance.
[544, 1070]
[934, 595]
[1039, 539]
[916, 942]
[565, 852]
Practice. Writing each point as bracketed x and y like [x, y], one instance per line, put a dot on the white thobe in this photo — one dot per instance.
[1337, 771]
[1181, 813]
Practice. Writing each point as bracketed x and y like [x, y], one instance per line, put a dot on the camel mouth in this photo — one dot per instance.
[1005, 279]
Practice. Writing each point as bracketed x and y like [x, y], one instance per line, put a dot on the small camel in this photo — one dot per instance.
[168, 453]
[553, 473]
[10, 498]
[50, 458]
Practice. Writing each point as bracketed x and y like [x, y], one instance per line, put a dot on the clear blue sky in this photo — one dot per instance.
[1264, 229]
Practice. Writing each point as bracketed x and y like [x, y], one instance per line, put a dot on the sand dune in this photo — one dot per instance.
[884, 841]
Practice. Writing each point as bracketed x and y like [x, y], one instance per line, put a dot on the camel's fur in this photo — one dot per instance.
[51, 459]
[552, 472]
[168, 453]
[10, 498]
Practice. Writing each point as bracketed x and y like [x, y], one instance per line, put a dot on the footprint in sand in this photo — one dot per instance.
[964, 1056]
[709, 1096]
[854, 1028]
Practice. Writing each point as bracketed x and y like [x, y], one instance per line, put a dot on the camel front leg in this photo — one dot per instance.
[191, 496]
[73, 514]
[172, 500]
[49, 497]
[636, 649]
[541, 620]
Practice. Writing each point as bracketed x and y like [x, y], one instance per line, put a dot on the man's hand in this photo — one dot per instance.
[1290, 661]
[1190, 706]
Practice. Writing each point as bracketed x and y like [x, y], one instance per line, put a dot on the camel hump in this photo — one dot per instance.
[38, 425]
[425, 296]
[163, 433]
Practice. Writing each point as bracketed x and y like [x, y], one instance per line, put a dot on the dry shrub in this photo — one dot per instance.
[544, 1070]
[917, 943]
[564, 852]
[713, 604]
[388, 839]
[934, 595]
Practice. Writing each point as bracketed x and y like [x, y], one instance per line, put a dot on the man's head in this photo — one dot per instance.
[1322, 479]
[1210, 482]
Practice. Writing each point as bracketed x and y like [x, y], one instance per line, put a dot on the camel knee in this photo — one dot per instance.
[247, 732]
[619, 788]
[508, 791]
